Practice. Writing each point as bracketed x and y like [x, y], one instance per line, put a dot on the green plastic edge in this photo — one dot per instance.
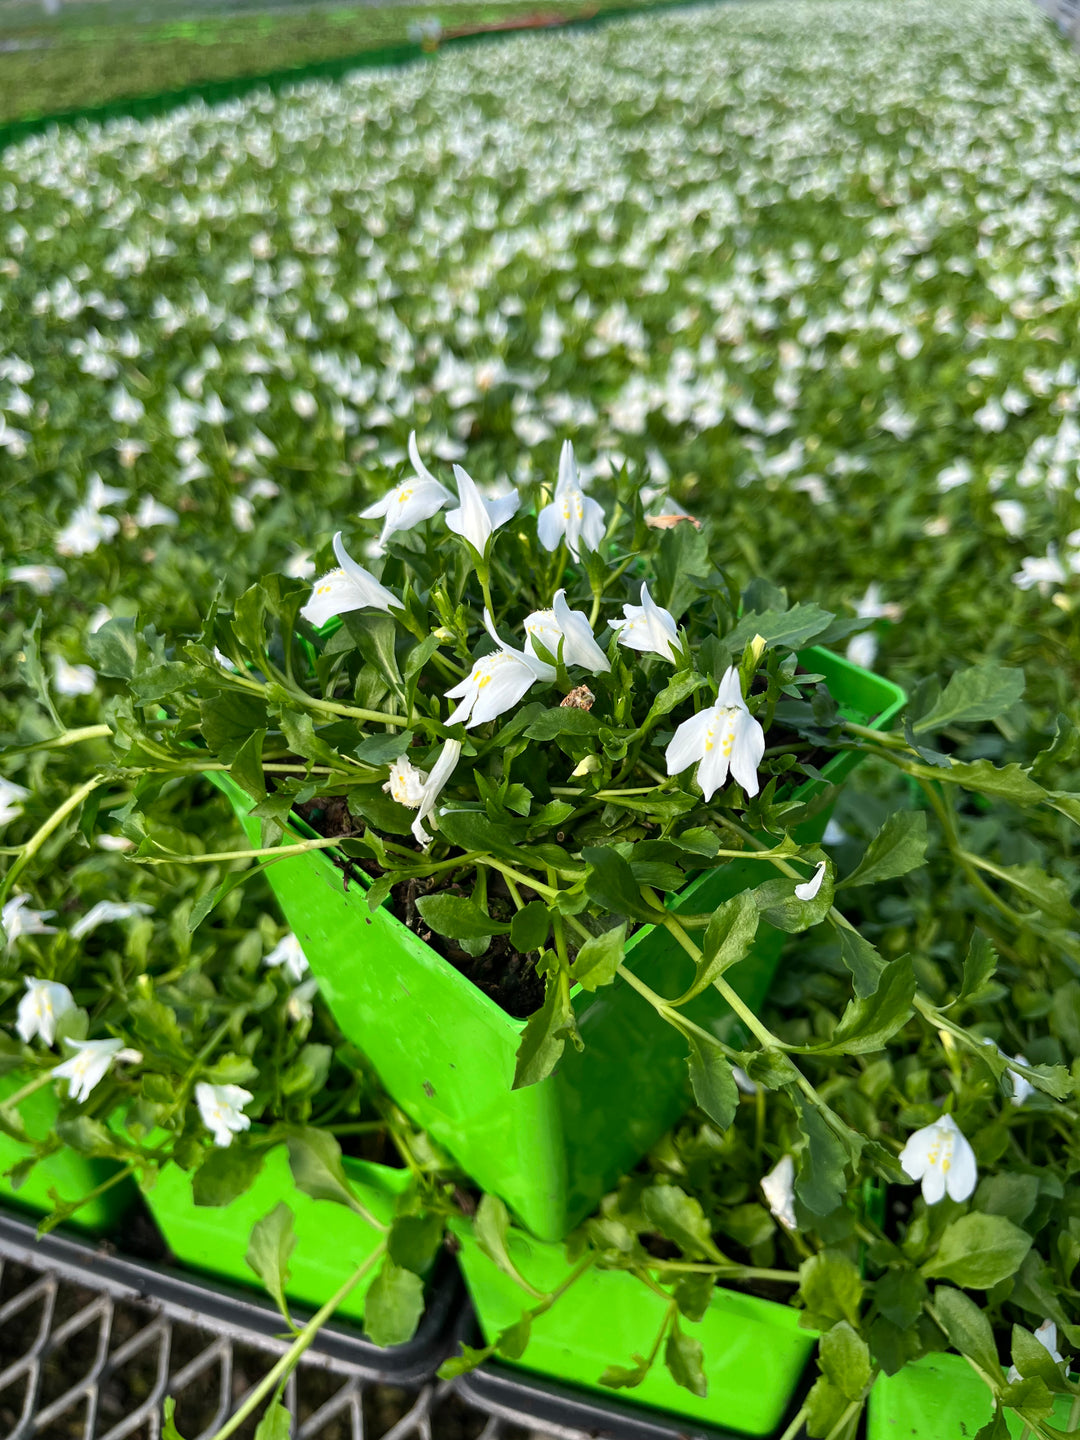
[72, 1175]
[214, 92]
[755, 1351]
[939, 1397]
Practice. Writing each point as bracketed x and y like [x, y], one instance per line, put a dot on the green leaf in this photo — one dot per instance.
[393, 1305]
[977, 1251]
[968, 1329]
[599, 958]
[562, 720]
[514, 1340]
[897, 848]
[713, 1083]
[679, 688]
[544, 1037]
[984, 692]
[996, 1428]
[1049, 893]
[979, 966]
[491, 1226]
[458, 917]
[530, 927]
[472, 830]
[727, 940]
[225, 1174]
[414, 1240]
[247, 766]
[315, 1161]
[792, 628]
[862, 960]
[380, 750]
[866, 1025]
[1034, 1361]
[269, 1249]
[693, 1294]
[168, 1427]
[29, 668]
[276, 1424]
[610, 882]
[899, 1295]
[820, 1183]
[623, 1377]
[1007, 782]
[845, 1360]
[113, 647]
[831, 1289]
[1008, 1194]
[679, 1218]
[826, 1406]
[780, 906]
[684, 1358]
[462, 1364]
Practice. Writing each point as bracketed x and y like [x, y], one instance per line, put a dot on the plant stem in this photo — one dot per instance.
[331, 707]
[58, 742]
[795, 1426]
[278, 852]
[288, 1361]
[37, 840]
[28, 1089]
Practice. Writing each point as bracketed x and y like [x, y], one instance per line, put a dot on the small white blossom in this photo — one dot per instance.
[411, 503]
[809, 888]
[243, 514]
[300, 565]
[940, 1156]
[1041, 570]
[1013, 516]
[779, 1191]
[288, 954]
[862, 649]
[475, 518]
[89, 1065]
[496, 682]
[40, 1008]
[725, 736]
[42, 579]
[222, 1110]
[11, 798]
[151, 513]
[114, 842]
[648, 627]
[572, 629]
[85, 531]
[106, 911]
[571, 516]
[419, 790]
[298, 1007]
[349, 588]
[98, 619]
[73, 679]
[18, 919]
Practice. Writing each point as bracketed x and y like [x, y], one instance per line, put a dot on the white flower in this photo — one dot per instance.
[572, 628]
[1021, 1086]
[11, 798]
[40, 1008]
[300, 565]
[298, 1007]
[419, 790]
[1041, 570]
[89, 1065]
[496, 682]
[349, 588]
[810, 887]
[17, 920]
[287, 953]
[151, 513]
[477, 519]
[221, 1108]
[104, 912]
[125, 409]
[73, 679]
[1013, 516]
[1047, 1337]
[98, 619]
[243, 514]
[412, 502]
[85, 531]
[862, 649]
[722, 737]
[571, 515]
[648, 627]
[779, 1190]
[42, 579]
[942, 1159]
[114, 842]
[98, 494]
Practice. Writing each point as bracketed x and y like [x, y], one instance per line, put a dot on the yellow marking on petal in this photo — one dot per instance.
[404, 495]
[483, 680]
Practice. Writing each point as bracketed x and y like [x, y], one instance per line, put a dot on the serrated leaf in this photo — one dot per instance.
[315, 1161]
[276, 1424]
[414, 1240]
[968, 1329]
[820, 1183]
[1004, 782]
[897, 848]
[679, 1218]
[845, 1360]
[458, 917]
[831, 1289]
[530, 927]
[983, 692]
[792, 628]
[977, 1251]
[684, 1357]
[712, 1081]
[861, 959]
[226, 1174]
[979, 966]
[728, 938]
[781, 907]
[269, 1250]
[610, 882]
[867, 1024]
[599, 958]
[393, 1305]
[544, 1037]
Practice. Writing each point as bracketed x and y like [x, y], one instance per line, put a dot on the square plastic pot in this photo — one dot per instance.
[938, 1397]
[70, 1174]
[446, 1052]
[331, 1240]
[756, 1354]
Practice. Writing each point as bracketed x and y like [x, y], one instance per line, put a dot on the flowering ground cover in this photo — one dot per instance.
[813, 266]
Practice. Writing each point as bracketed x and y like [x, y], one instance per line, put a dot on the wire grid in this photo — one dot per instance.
[90, 1346]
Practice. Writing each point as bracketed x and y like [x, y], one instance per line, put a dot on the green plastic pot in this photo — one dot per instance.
[445, 1051]
[70, 1174]
[936, 1398]
[331, 1240]
[755, 1351]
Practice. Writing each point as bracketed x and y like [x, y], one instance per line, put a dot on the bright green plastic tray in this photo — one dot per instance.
[446, 1052]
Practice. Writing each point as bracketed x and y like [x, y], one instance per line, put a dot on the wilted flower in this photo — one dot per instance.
[572, 629]
[648, 627]
[11, 798]
[222, 1110]
[726, 736]
[942, 1159]
[496, 682]
[40, 1008]
[778, 1188]
[412, 502]
[288, 954]
[90, 1064]
[571, 516]
[18, 919]
[809, 888]
[349, 588]
[104, 912]
[419, 790]
[477, 519]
